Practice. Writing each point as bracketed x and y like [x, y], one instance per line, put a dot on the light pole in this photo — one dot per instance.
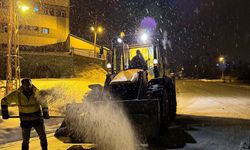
[96, 30]
[222, 66]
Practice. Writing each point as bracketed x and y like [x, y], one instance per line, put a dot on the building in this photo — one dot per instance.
[45, 22]
[44, 26]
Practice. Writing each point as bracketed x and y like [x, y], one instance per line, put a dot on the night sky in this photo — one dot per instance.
[194, 27]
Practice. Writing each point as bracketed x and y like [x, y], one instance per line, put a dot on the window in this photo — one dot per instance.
[21, 27]
[45, 30]
[4, 28]
[3, 4]
[63, 13]
[46, 11]
[28, 27]
[35, 28]
[58, 13]
[3, 45]
[36, 9]
[51, 11]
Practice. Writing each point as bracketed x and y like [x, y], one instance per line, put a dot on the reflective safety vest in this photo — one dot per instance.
[29, 109]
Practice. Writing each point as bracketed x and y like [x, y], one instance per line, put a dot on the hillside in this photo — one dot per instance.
[53, 65]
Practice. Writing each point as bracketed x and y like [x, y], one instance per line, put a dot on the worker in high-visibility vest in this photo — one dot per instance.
[32, 110]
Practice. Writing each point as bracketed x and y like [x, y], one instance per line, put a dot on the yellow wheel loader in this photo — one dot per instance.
[147, 94]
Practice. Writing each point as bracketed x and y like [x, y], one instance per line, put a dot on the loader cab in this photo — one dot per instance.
[125, 81]
[147, 52]
[124, 52]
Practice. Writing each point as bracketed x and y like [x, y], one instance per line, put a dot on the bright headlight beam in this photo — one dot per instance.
[144, 37]
[155, 61]
[109, 65]
[119, 40]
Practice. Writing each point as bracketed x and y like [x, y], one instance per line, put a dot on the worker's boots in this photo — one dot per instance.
[25, 147]
[44, 146]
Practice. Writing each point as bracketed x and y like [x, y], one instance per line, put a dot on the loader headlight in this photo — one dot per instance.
[109, 65]
[119, 40]
[155, 61]
[144, 37]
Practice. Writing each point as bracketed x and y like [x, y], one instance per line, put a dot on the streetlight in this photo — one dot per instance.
[99, 29]
[221, 59]
[222, 66]
[96, 30]
[24, 8]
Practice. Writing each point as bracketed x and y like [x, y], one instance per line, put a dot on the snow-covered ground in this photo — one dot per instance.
[211, 115]
[66, 91]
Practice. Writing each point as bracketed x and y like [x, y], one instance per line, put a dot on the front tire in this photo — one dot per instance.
[157, 91]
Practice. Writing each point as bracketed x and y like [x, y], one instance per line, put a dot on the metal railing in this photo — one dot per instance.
[86, 53]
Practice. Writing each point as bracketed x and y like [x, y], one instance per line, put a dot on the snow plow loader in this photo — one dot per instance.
[146, 93]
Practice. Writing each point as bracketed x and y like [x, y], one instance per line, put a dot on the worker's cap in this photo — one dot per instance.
[26, 81]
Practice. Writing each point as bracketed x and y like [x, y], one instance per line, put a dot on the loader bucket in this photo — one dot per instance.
[143, 114]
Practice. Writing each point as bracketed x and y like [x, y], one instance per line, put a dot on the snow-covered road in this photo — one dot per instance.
[211, 116]
[213, 99]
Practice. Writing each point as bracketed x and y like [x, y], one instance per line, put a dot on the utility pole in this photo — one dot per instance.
[9, 49]
[12, 52]
[95, 36]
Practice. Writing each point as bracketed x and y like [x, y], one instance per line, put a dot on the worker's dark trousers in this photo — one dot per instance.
[40, 129]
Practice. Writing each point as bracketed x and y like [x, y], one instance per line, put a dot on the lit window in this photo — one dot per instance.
[36, 9]
[45, 30]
